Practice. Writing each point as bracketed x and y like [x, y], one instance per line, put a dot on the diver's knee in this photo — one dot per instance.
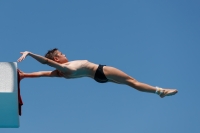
[132, 82]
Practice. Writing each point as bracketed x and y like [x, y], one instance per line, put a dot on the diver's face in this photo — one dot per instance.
[60, 57]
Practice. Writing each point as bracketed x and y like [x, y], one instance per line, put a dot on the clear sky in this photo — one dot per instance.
[157, 42]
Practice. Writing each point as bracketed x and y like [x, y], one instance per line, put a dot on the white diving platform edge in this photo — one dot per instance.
[9, 105]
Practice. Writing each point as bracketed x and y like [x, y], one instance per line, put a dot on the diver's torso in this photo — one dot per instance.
[79, 68]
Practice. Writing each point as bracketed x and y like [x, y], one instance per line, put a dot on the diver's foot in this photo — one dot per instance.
[165, 92]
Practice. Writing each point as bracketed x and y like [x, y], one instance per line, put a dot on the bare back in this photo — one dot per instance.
[79, 68]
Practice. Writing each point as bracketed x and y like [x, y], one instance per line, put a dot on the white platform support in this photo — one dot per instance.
[9, 115]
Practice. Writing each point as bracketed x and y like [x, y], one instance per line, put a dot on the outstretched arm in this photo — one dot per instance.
[42, 60]
[54, 73]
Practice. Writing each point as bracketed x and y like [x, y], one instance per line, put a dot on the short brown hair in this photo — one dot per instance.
[51, 54]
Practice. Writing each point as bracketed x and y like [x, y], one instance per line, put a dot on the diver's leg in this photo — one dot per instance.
[118, 76]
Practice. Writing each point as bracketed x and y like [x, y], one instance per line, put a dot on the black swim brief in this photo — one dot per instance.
[99, 75]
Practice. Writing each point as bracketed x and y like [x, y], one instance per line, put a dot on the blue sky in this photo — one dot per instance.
[156, 42]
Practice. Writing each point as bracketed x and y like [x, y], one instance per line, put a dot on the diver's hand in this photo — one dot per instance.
[21, 74]
[24, 54]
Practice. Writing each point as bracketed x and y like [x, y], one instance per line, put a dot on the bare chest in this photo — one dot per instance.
[79, 68]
